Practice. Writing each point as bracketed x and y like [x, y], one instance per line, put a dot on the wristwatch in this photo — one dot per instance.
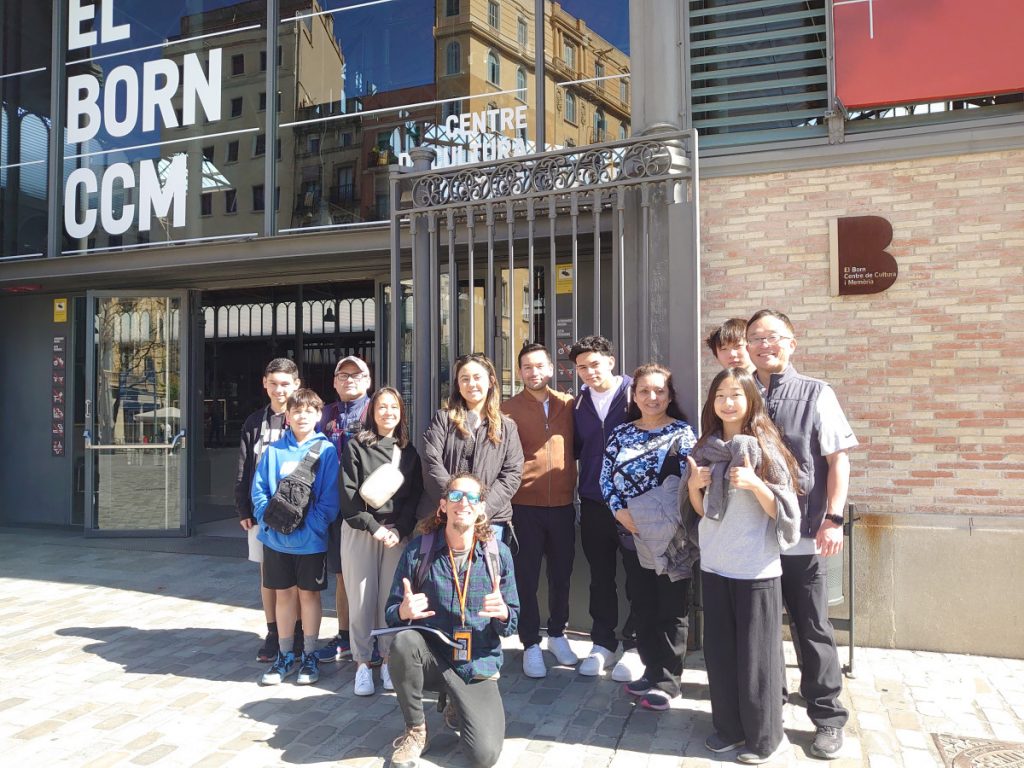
[837, 519]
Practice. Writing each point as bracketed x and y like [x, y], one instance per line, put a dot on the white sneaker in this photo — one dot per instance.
[628, 668]
[533, 662]
[559, 647]
[364, 681]
[596, 661]
[385, 678]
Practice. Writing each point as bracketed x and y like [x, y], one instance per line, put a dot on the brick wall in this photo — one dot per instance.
[931, 371]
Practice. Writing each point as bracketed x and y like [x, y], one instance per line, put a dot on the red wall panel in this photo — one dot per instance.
[900, 51]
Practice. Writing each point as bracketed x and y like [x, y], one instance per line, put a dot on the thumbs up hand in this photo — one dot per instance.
[414, 604]
[699, 476]
[744, 477]
[494, 603]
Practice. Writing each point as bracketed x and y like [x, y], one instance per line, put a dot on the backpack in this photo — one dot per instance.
[286, 510]
[492, 558]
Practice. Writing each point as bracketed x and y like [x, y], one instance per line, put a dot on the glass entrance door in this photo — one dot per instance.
[136, 417]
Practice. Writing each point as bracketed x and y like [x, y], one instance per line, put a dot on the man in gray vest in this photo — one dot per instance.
[815, 429]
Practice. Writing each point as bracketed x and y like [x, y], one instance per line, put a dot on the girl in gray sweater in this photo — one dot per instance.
[740, 480]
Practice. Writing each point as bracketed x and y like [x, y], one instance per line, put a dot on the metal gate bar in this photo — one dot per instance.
[568, 183]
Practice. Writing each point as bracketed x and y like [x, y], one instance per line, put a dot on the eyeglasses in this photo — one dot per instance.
[455, 497]
[760, 341]
[349, 376]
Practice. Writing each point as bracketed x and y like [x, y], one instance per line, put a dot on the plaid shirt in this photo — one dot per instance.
[439, 587]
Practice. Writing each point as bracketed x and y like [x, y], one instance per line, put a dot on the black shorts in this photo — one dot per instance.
[284, 571]
[334, 546]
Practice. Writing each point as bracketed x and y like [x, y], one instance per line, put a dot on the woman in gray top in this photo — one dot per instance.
[740, 479]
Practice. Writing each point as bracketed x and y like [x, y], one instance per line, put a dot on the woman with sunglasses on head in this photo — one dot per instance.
[741, 480]
[381, 484]
[641, 454]
[472, 435]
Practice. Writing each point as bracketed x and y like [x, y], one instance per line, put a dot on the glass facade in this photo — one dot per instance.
[164, 141]
[182, 127]
[179, 124]
[25, 126]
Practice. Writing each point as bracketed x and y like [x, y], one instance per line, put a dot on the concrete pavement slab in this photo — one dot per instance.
[119, 656]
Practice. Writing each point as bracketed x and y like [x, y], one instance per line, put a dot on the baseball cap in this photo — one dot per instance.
[358, 362]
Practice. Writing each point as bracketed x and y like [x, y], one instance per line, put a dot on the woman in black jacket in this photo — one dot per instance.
[371, 534]
[472, 435]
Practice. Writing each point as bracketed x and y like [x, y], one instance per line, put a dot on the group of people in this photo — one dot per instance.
[450, 543]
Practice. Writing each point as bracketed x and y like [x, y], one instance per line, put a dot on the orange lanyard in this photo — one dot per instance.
[462, 593]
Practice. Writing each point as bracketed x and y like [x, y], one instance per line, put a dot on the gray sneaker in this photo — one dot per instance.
[754, 758]
[718, 743]
[827, 742]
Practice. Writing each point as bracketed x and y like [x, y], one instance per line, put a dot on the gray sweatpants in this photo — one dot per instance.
[369, 568]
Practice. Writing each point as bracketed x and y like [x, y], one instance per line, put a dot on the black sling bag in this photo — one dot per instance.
[286, 510]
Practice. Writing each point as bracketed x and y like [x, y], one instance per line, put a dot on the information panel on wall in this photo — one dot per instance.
[906, 51]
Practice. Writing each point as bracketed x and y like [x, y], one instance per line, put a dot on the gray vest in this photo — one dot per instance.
[790, 398]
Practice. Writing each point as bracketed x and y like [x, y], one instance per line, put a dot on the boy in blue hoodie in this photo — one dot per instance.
[295, 563]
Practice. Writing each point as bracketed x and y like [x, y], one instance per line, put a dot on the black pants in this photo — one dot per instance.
[600, 538]
[415, 667]
[742, 643]
[543, 533]
[805, 593]
[661, 609]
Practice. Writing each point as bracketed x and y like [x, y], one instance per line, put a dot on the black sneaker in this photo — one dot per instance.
[718, 743]
[268, 652]
[298, 646]
[638, 687]
[827, 742]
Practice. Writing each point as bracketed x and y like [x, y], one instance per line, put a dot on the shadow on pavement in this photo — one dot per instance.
[325, 728]
[198, 652]
[127, 565]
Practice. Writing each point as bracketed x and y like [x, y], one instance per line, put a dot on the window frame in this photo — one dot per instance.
[453, 54]
[493, 68]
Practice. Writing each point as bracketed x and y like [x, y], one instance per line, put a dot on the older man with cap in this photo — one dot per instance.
[342, 420]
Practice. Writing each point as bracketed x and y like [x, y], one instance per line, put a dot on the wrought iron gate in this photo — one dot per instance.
[600, 208]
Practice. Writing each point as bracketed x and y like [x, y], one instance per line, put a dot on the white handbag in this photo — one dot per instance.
[383, 482]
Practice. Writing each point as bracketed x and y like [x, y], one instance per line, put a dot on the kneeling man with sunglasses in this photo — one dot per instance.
[455, 578]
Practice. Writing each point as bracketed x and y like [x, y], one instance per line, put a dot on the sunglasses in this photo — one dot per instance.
[456, 496]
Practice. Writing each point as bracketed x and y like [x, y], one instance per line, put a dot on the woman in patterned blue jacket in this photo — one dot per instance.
[640, 454]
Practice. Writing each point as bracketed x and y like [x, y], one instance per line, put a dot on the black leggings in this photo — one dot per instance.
[415, 668]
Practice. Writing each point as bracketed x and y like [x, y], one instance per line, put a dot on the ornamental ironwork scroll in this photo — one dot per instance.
[630, 162]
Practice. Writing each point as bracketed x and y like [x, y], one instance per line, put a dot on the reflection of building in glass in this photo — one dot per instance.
[137, 392]
[25, 126]
[310, 74]
[486, 55]
[344, 167]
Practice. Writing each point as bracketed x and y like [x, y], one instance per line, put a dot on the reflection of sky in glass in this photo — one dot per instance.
[609, 18]
[386, 47]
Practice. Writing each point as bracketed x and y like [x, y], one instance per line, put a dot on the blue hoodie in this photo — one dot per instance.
[591, 436]
[279, 460]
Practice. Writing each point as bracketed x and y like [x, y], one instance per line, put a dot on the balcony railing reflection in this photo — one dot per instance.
[344, 195]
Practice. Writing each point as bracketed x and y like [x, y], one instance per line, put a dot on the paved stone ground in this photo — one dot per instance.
[117, 656]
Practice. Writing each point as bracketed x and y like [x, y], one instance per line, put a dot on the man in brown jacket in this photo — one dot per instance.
[543, 514]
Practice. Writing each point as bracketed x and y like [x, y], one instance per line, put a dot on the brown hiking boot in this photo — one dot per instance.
[409, 747]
